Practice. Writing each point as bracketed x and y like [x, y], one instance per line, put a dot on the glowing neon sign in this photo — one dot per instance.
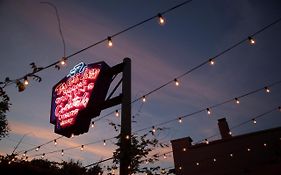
[78, 97]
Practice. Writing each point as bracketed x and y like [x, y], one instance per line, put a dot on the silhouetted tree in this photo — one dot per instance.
[4, 107]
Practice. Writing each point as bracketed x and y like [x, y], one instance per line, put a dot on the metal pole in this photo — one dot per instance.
[125, 147]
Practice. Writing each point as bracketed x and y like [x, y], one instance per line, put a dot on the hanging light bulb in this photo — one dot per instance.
[254, 121]
[93, 124]
[248, 149]
[252, 41]
[82, 148]
[24, 154]
[104, 143]
[211, 61]
[72, 135]
[55, 142]
[62, 152]
[161, 20]
[109, 42]
[180, 120]
[197, 163]
[237, 101]
[164, 156]
[230, 133]
[25, 81]
[63, 61]
[214, 159]
[177, 83]
[153, 129]
[206, 141]
[208, 111]
[267, 89]
[264, 144]
[43, 155]
[117, 113]
[231, 155]
[143, 98]
[37, 149]
[184, 149]
[127, 137]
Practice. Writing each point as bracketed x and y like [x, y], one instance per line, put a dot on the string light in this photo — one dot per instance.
[24, 154]
[93, 124]
[230, 133]
[252, 41]
[197, 163]
[264, 144]
[143, 98]
[127, 137]
[104, 143]
[254, 121]
[237, 101]
[20, 86]
[184, 149]
[63, 61]
[43, 155]
[55, 142]
[176, 82]
[161, 20]
[248, 149]
[164, 156]
[109, 42]
[206, 141]
[231, 154]
[267, 89]
[37, 149]
[214, 159]
[82, 147]
[117, 113]
[62, 152]
[153, 129]
[25, 81]
[180, 120]
[208, 111]
[211, 61]
[72, 135]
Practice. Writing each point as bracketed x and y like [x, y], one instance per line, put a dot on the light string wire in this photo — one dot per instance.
[207, 61]
[4, 84]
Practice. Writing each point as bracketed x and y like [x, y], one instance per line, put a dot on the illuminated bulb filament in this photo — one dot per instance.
[197, 163]
[237, 101]
[211, 61]
[214, 159]
[117, 113]
[254, 121]
[265, 144]
[143, 99]
[180, 120]
[161, 19]
[251, 40]
[63, 61]
[176, 82]
[127, 137]
[109, 42]
[208, 111]
[248, 149]
[230, 133]
[267, 89]
[25, 82]
[231, 155]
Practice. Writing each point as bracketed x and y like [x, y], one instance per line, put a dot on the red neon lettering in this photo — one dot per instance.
[74, 95]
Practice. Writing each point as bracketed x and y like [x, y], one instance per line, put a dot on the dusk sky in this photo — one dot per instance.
[192, 34]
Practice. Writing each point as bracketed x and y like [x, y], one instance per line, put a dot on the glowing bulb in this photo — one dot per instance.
[177, 83]
[25, 82]
[82, 147]
[72, 135]
[43, 155]
[117, 113]
[24, 154]
[55, 142]
[214, 159]
[184, 149]
[93, 124]
[265, 144]
[153, 129]
[37, 148]
[165, 157]
[248, 149]
[180, 120]
[143, 99]
[109, 42]
[146, 162]
[230, 133]
[251, 40]
[197, 163]
[62, 153]
[267, 89]
[161, 20]
[237, 101]
[211, 61]
[180, 168]
[208, 111]
[254, 121]
[231, 155]
[104, 143]
[63, 61]
[127, 137]
[206, 141]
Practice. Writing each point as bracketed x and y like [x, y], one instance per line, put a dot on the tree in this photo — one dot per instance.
[4, 107]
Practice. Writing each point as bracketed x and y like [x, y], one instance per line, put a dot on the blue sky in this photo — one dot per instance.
[192, 34]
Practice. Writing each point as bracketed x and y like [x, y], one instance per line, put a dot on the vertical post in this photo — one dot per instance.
[125, 146]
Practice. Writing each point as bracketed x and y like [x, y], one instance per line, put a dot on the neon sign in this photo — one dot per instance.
[78, 97]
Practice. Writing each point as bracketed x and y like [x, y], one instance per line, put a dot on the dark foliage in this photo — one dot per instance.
[4, 107]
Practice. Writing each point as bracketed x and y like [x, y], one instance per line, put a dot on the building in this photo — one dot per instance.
[255, 153]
